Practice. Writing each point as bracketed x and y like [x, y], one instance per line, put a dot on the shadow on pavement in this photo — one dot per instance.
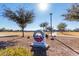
[6, 44]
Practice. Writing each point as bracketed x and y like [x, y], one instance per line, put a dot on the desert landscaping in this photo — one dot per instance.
[56, 47]
[34, 30]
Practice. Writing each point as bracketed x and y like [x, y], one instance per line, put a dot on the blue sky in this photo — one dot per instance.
[40, 16]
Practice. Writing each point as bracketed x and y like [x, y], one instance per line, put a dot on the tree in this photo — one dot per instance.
[44, 25]
[61, 26]
[49, 28]
[76, 30]
[72, 13]
[21, 16]
[2, 29]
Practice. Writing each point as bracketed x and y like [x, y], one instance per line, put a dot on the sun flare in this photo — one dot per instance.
[42, 6]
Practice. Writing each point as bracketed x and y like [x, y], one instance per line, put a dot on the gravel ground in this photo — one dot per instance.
[56, 48]
[71, 42]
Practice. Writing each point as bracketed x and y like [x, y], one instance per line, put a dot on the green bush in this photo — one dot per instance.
[15, 52]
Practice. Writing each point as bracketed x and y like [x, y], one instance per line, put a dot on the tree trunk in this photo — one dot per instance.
[22, 32]
[43, 28]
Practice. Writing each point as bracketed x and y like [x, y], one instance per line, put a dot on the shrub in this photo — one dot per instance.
[15, 52]
[46, 35]
[28, 37]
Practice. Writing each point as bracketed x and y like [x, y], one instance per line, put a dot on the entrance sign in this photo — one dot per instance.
[39, 39]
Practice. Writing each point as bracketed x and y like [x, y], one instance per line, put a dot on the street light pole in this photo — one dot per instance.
[51, 23]
[51, 37]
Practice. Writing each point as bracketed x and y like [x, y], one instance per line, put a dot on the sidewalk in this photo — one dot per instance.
[68, 36]
[56, 34]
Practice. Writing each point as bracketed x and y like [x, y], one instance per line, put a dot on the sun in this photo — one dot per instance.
[43, 6]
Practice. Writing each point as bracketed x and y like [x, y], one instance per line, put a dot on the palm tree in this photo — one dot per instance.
[21, 16]
[44, 25]
[72, 13]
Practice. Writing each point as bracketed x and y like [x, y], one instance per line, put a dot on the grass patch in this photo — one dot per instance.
[15, 52]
